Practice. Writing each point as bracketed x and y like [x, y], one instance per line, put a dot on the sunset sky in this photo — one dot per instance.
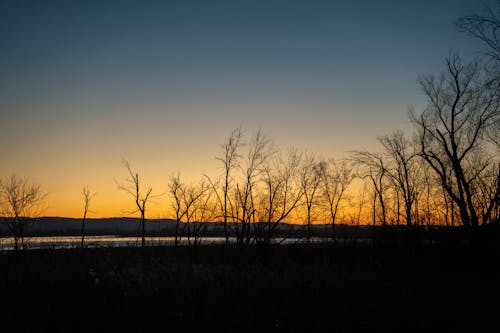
[85, 84]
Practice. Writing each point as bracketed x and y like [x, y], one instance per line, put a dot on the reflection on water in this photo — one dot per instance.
[7, 243]
[58, 242]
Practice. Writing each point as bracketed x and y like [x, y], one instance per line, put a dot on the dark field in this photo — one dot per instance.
[282, 288]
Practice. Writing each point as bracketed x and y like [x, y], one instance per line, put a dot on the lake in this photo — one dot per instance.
[59, 242]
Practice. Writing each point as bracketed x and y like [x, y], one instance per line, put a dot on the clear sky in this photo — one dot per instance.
[84, 84]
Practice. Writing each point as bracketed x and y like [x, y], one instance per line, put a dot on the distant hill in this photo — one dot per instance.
[126, 226]
[52, 225]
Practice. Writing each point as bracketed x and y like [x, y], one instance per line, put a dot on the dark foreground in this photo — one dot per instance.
[282, 288]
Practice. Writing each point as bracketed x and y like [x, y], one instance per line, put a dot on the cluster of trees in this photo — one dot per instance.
[447, 172]
[19, 201]
[260, 188]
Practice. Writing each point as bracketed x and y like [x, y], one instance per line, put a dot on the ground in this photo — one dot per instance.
[279, 288]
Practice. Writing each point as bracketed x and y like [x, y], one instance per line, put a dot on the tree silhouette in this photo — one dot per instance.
[372, 166]
[187, 202]
[310, 182]
[486, 28]
[451, 134]
[19, 202]
[335, 178]
[259, 151]
[229, 160]
[402, 170]
[133, 188]
[281, 192]
[87, 197]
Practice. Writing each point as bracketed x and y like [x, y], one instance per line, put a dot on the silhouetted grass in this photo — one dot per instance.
[281, 288]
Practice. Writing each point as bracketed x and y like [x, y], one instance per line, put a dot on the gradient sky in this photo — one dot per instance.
[84, 84]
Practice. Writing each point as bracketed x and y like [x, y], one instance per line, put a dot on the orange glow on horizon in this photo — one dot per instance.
[116, 203]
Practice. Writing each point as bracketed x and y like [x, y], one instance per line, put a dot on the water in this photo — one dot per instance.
[60, 242]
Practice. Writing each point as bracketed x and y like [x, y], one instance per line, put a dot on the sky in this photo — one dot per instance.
[86, 84]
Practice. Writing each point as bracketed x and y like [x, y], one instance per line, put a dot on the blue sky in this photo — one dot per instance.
[84, 84]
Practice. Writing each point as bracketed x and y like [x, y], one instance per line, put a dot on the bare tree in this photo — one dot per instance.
[403, 170]
[432, 206]
[372, 166]
[87, 197]
[176, 190]
[451, 133]
[204, 211]
[259, 150]
[192, 198]
[133, 188]
[358, 205]
[229, 160]
[486, 27]
[310, 182]
[281, 193]
[185, 201]
[335, 178]
[19, 202]
[488, 194]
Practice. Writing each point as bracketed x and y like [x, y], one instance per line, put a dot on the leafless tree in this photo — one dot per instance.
[433, 207]
[402, 170]
[281, 192]
[310, 182]
[259, 150]
[193, 202]
[488, 194]
[132, 186]
[176, 190]
[20, 201]
[229, 160]
[372, 166]
[335, 178]
[203, 211]
[486, 27]
[87, 197]
[494, 135]
[451, 133]
[185, 200]
[358, 205]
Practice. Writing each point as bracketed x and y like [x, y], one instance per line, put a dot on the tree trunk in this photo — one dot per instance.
[143, 231]
[83, 231]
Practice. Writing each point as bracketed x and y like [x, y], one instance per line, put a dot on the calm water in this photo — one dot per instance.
[53, 242]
